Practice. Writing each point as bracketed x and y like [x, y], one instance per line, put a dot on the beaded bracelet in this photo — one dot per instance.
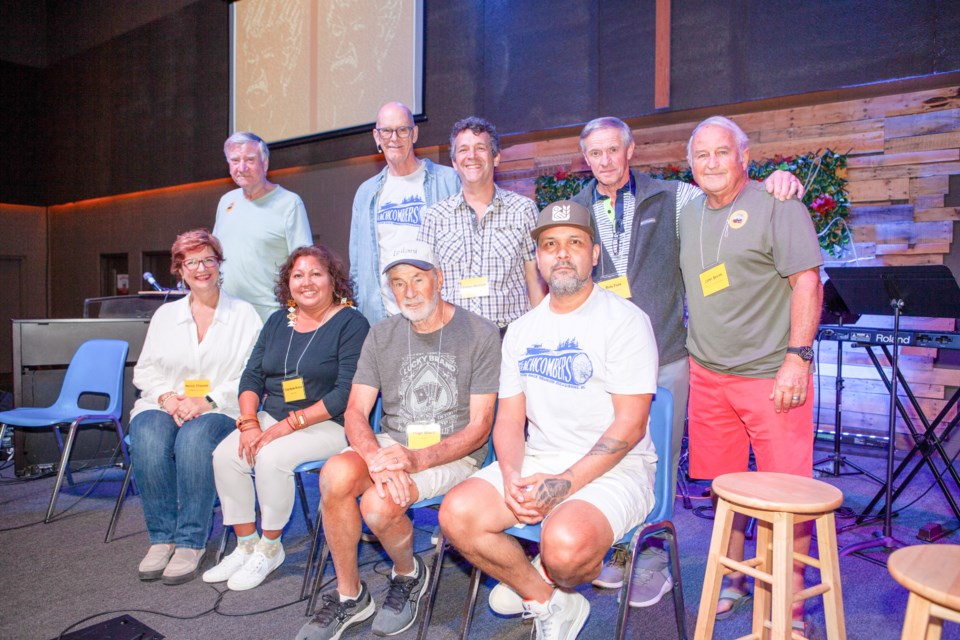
[162, 400]
[297, 421]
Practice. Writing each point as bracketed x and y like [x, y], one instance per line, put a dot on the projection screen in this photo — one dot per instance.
[303, 68]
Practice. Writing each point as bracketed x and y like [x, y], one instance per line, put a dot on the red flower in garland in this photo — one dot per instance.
[823, 204]
[561, 175]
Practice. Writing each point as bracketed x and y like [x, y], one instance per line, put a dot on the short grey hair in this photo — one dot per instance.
[243, 137]
[626, 135]
[477, 126]
[743, 142]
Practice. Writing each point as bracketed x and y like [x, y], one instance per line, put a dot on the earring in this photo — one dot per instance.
[291, 313]
[379, 149]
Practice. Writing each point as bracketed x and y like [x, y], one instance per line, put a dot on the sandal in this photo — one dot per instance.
[806, 629]
[738, 599]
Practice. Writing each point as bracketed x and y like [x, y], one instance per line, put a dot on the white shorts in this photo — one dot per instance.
[434, 481]
[624, 495]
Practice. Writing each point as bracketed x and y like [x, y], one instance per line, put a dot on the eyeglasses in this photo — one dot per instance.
[402, 132]
[193, 264]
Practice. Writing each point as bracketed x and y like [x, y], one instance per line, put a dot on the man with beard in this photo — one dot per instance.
[437, 367]
[581, 370]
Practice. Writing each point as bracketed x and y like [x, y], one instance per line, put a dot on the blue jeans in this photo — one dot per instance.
[174, 471]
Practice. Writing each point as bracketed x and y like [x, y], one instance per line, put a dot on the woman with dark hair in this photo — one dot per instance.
[301, 368]
[188, 374]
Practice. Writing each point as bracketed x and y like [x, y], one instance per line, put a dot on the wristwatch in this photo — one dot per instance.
[805, 353]
[213, 405]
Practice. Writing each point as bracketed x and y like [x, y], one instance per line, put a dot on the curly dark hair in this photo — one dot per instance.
[329, 261]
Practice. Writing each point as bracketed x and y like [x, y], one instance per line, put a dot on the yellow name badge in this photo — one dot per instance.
[196, 388]
[618, 285]
[293, 390]
[422, 435]
[714, 279]
[474, 287]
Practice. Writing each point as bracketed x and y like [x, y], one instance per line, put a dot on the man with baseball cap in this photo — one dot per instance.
[581, 369]
[436, 366]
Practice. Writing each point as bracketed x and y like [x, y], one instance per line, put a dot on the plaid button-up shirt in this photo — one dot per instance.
[495, 247]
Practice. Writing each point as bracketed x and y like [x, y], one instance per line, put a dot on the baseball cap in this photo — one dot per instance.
[563, 213]
[416, 253]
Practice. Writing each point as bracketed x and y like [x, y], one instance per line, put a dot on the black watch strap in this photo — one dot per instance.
[805, 353]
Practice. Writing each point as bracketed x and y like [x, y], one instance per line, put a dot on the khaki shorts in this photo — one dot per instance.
[434, 481]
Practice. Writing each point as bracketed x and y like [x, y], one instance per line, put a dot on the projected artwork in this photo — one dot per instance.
[303, 67]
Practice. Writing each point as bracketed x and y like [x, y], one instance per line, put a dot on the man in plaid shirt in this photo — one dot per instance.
[481, 235]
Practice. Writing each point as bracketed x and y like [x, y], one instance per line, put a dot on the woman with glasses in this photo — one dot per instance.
[292, 397]
[188, 374]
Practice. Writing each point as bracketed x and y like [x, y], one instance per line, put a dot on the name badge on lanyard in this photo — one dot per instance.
[421, 435]
[196, 388]
[714, 279]
[617, 285]
[293, 390]
[474, 287]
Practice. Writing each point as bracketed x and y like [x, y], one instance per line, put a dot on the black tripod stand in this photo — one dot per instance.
[835, 310]
[929, 292]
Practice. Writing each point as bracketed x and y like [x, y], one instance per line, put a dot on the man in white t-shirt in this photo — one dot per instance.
[581, 370]
[387, 209]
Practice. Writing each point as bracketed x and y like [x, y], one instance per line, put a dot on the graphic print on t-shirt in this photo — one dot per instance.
[407, 212]
[428, 390]
[568, 365]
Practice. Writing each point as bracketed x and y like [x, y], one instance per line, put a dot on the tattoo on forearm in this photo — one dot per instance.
[551, 492]
[607, 446]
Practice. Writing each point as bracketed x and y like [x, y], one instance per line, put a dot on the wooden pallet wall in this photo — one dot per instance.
[902, 151]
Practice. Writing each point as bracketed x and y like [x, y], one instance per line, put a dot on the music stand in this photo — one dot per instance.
[835, 310]
[925, 291]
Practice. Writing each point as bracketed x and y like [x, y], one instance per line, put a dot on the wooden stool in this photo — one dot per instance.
[778, 501]
[931, 572]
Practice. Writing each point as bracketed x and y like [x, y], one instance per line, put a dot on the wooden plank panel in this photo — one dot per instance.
[879, 190]
[938, 213]
[857, 386]
[929, 186]
[905, 171]
[863, 215]
[930, 201]
[885, 250]
[942, 121]
[903, 261]
[831, 130]
[854, 143]
[921, 143]
[912, 157]
[946, 377]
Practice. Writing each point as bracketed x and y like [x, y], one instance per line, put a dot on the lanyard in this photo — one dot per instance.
[290, 342]
[436, 371]
[723, 233]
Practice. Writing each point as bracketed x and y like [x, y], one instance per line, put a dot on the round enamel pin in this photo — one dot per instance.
[737, 219]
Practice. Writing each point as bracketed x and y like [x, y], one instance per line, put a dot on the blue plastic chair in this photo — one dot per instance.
[96, 368]
[657, 524]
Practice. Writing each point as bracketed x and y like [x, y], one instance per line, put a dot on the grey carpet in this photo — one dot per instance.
[55, 575]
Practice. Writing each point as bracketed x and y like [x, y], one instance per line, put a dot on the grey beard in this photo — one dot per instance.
[566, 286]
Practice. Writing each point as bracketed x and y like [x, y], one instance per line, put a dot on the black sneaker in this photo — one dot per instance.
[335, 617]
[399, 610]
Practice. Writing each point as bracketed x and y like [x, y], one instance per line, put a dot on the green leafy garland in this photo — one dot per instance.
[822, 174]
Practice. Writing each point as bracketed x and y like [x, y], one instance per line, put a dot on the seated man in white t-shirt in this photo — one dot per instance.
[582, 369]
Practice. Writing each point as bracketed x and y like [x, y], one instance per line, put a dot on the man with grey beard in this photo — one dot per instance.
[578, 375]
[437, 368]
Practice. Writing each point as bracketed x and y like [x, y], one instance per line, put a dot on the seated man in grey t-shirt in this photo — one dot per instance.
[437, 368]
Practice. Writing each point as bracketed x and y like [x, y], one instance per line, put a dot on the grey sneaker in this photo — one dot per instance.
[335, 617]
[611, 576]
[651, 577]
[400, 607]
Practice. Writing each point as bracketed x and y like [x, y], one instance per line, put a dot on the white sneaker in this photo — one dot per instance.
[505, 601]
[232, 563]
[561, 617]
[258, 566]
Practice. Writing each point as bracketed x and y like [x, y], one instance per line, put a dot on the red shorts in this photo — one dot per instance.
[729, 414]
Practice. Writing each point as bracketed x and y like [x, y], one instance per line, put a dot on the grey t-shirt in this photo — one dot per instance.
[430, 377]
[744, 328]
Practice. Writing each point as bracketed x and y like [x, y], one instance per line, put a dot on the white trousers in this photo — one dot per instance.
[271, 477]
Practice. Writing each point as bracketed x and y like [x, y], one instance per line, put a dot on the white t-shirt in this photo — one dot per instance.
[568, 364]
[399, 215]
